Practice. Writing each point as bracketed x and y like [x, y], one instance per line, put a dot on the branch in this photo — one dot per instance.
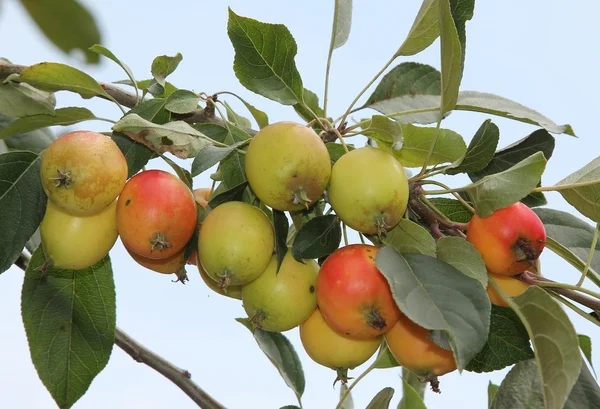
[180, 377]
[130, 100]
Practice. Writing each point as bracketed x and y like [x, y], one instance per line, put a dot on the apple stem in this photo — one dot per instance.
[434, 382]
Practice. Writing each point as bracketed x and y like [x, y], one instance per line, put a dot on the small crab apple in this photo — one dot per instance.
[368, 190]
[409, 343]
[77, 242]
[83, 172]
[332, 349]
[235, 243]
[281, 300]
[509, 240]
[170, 265]
[352, 294]
[511, 286]
[156, 214]
[287, 166]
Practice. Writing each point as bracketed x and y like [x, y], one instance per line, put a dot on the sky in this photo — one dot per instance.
[541, 53]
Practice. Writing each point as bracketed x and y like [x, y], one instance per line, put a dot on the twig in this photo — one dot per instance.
[180, 377]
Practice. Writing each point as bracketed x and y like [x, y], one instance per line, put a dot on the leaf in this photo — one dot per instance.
[507, 343]
[492, 389]
[336, 150]
[437, 296]
[409, 237]
[493, 104]
[259, 116]
[342, 21]
[68, 24]
[384, 129]
[586, 392]
[152, 110]
[312, 101]
[235, 118]
[449, 147]
[182, 140]
[385, 359]
[210, 155]
[480, 152]
[62, 116]
[463, 256]
[34, 141]
[408, 86]
[281, 226]
[382, 399]
[451, 50]
[282, 355]
[424, 31]
[410, 397]
[99, 49]
[264, 59]
[182, 101]
[319, 237]
[145, 84]
[233, 167]
[584, 198]
[554, 342]
[505, 188]
[136, 154]
[53, 77]
[162, 67]
[452, 208]
[213, 131]
[69, 318]
[22, 203]
[17, 100]
[585, 344]
[233, 193]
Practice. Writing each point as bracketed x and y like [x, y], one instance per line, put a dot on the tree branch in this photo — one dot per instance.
[180, 377]
[130, 100]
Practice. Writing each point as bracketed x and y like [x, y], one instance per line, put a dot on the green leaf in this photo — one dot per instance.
[145, 84]
[34, 141]
[319, 237]
[507, 343]
[162, 67]
[480, 152]
[584, 198]
[53, 77]
[67, 23]
[234, 193]
[259, 116]
[410, 397]
[425, 289]
[385, 359]
[22, 203]
[183, 140]
[336, 150]
[504, 107]
[424, 31]
[233, 167]
[182, 101]
[409, 86]
[17, 100]
[342, 21]
[570, 238]
[210, 155]
[585, 344]
[99, 49]
[453, 209]
[62, 116]
[215, 132]
[449, 147]
[281, 227]
[492, 389]
[152, 110]
[554, 342]
[282, 355]
[463, 256]
[451, 51]
[409, 237]
[384, 129]
[312, 101]
[586, 392]
[382, 399]
[235, 118]
[69, 318]
[505, 188]
[136, 154]
[264, 59]
[290, 407]
[462, 11]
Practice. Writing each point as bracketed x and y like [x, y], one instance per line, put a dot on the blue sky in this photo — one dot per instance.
[543, 54]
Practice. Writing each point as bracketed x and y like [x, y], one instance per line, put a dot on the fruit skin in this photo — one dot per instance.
[509, 239]
[368, 190]
[170, 265]
[156, 209]
[409, 344]
[235, 243]
[96, 167]
[510, 285]
[280, 301]
[288, 166]
[232, 291]
[331, 349]
[352, 294]
[77, 242]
